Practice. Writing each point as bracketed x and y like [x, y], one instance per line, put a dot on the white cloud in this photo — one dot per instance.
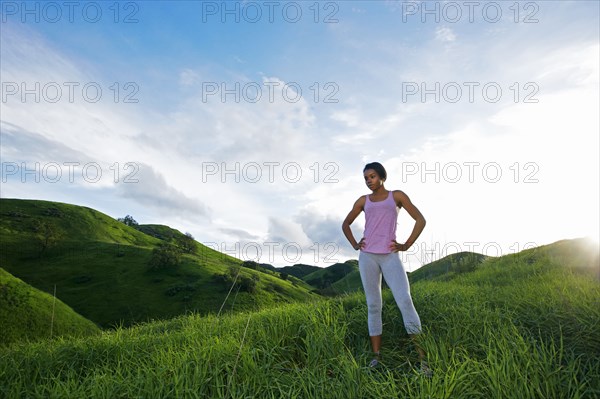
[188, 77]
[348, 117]
[445, 34]
[149, 188]
[284, 231]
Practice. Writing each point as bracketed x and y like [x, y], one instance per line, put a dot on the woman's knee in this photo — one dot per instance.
[374, 308]
[406, 304]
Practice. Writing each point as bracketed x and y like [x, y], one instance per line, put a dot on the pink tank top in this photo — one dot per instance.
[380, 224]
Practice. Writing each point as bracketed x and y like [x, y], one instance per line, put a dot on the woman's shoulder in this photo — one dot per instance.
[361, 201]
[399, 196]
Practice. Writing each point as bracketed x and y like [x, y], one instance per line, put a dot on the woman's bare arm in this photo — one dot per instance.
[403, 201]
[357, 208]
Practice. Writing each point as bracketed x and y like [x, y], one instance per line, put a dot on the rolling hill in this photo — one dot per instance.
[28, 314]
[448, 266]
[102, 267]
[298, 270]
[580, 255]
[351, 282]
[326, 276]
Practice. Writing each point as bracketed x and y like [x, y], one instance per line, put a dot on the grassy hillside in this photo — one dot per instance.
[298, 270]
[159, 231]
[444, 268]
[347, 284]
[518, 326]
[448, 266]
[345, 278]
[580, 255]
[27, 314]
[101, 267]
[326, 276]
[26, 224]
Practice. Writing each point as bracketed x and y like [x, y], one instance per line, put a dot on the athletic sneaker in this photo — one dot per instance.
[375, 361]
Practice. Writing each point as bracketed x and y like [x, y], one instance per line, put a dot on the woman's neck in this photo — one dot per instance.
[380, 191]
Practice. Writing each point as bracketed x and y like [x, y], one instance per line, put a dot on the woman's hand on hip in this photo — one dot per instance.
[394, 246]
[360, 244]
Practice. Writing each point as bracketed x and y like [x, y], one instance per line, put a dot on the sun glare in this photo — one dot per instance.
[593, 237]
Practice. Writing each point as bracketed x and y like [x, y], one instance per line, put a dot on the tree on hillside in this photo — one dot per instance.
[128, 220]
[164, 256]
[187, 243]
[46, 235]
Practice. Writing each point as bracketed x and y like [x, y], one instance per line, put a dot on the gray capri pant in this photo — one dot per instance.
[371, 267]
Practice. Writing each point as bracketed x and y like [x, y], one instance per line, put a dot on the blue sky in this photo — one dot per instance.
[507, 169]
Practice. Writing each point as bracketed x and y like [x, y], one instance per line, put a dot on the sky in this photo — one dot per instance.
[248, 123]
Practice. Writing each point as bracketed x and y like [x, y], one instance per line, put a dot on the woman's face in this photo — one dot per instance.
[372, 179]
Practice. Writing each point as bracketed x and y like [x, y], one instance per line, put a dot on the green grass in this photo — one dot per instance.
[100, 267]
[27, 314]
[519, 326]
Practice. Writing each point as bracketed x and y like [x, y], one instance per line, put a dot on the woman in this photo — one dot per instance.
[379, 254]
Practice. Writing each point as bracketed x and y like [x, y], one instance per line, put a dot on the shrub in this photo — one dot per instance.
[250, 264]
[165, 256]
[187, 243]
[245, 283]
[128, 220]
